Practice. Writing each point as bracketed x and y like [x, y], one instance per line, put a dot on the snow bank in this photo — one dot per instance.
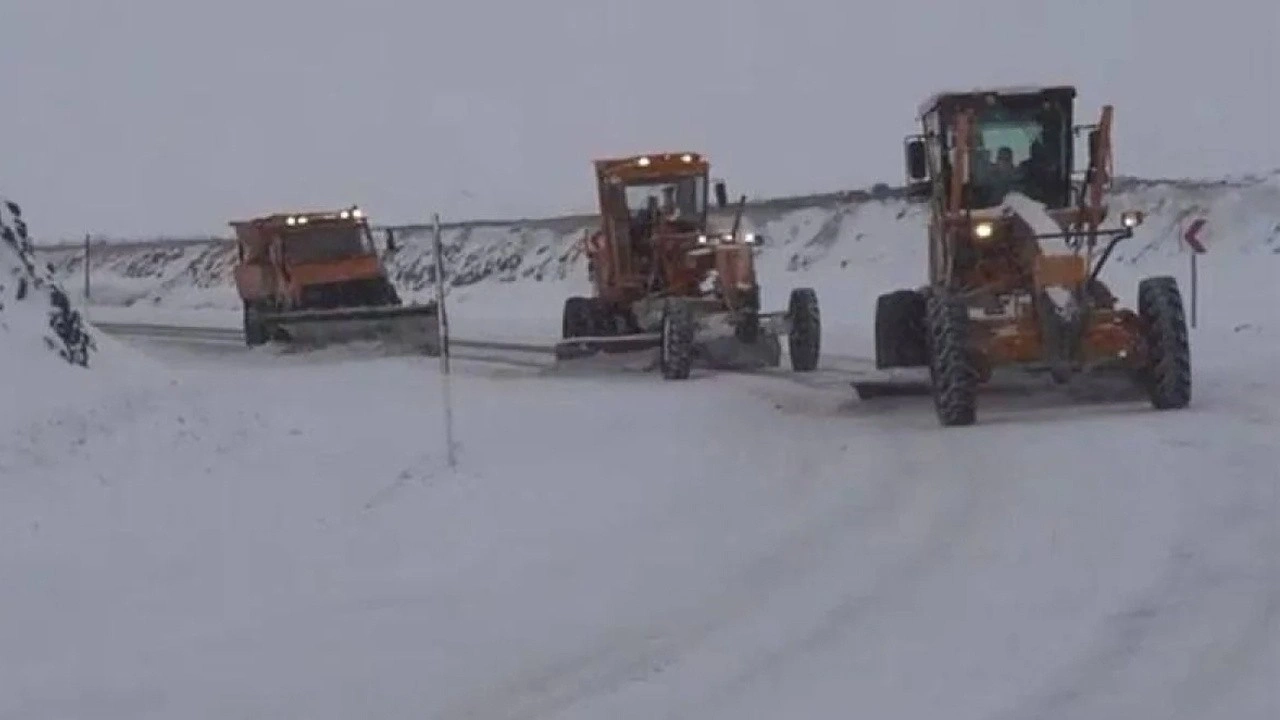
[53, 368]
[849, 246]
[35, 310]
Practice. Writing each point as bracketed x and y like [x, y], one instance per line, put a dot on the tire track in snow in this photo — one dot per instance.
[1154, 625]
[953, 521]
[637, 656]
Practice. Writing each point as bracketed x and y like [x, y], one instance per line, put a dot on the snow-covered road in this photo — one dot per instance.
[278, 536]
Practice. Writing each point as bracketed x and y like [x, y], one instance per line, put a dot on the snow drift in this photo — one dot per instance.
[59, 379]
[851, 245]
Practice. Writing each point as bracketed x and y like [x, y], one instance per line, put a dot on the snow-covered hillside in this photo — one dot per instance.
[849, 246]
[59, 378]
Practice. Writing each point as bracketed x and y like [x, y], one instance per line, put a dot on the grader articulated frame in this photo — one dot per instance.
[665, 277]
[1015, 253]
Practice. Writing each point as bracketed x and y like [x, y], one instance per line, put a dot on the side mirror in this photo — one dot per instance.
[917, 166]
[722, 194]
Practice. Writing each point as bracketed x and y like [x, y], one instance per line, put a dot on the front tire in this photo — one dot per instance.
[1167, 375]
[804, 342]
[954, 380]
[675, 356]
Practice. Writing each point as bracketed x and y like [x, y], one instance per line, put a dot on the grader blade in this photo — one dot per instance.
[898, 383]
[584, 347]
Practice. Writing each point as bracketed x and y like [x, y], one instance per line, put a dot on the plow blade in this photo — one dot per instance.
[875, 384]
[584, 347]
[414, 327]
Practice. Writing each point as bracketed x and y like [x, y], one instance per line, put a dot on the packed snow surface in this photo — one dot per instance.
[256, 533]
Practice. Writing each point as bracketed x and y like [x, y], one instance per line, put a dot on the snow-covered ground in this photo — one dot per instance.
[263, 534]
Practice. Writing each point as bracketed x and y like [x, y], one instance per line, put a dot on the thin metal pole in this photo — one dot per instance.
[443, 336]
[86, 267]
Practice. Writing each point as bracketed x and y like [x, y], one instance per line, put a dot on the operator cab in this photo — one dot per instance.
[678, 204]
[646, 200]
[316, 237]
[1020, 141]
[327, 240]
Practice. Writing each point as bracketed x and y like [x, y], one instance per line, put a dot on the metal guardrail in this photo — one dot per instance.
[236, 335]
[838, 371]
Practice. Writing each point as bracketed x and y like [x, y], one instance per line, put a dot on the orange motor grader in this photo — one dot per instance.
[666, 277]
[1015, 252]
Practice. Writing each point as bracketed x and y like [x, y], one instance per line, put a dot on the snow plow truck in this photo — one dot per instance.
[316, 278]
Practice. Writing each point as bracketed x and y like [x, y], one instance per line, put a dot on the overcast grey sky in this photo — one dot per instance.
[173, 116]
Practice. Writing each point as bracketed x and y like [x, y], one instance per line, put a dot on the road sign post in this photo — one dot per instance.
[443, 338]
[1192, 237]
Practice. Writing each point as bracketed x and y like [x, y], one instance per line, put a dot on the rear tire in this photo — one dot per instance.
[1167, 376]
[954, 380]
[804, 342]
[901, 339]
[675, 356]
[581, 318]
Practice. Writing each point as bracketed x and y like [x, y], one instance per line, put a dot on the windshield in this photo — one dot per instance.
[1022, 150]
[319, 243]
[676, 199]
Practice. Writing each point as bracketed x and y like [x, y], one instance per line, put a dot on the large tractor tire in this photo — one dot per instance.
[387, 295]
[675, 355]
[901, 339]
[804, 342]
[255, 331]
[954, 379]
[1167, 375]
[582, 318]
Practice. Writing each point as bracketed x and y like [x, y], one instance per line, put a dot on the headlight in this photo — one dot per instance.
[302, 220]
[357, 213]
[983, 230]
[1131, 218]
[727, 239]
[344, 214]
[291, 220]
[643, 162]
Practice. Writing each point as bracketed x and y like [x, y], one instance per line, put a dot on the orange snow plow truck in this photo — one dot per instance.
[316, 278]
